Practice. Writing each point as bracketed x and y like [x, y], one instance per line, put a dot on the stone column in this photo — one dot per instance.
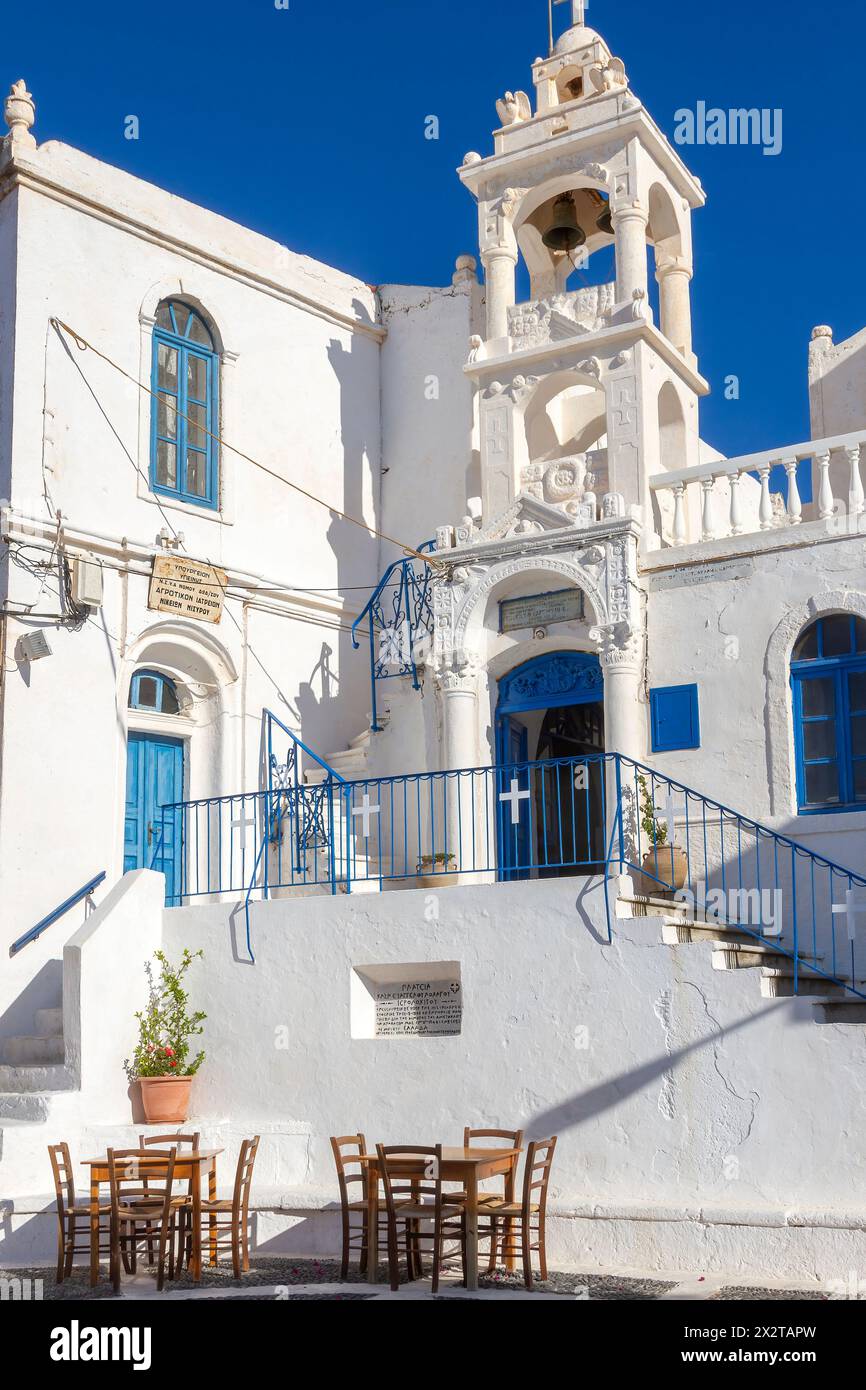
[629, 225]
[620, 650]
[674, 275]
[500, 265]
[457, 806]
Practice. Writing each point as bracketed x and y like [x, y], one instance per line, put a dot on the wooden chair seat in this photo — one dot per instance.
[365, 1206]
[104, 1209]
[426, 1211]
[497, 1206]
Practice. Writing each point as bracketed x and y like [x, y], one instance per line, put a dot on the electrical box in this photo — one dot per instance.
[87, 583]
[34, 646]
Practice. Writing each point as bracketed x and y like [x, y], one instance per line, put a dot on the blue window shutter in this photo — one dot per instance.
[675, 718]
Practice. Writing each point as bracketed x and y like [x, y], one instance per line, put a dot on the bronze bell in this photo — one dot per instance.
[564, 232]
[605, 222]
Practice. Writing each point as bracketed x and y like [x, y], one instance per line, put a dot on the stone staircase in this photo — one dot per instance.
[734, 948]
[33, 1067]
[352, 762]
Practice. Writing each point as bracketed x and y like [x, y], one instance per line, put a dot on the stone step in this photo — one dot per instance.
[683, 932]
[774, 985]
[36, 1050]
[28, 1079]
[850, 1009]
[49, 1022]
[640, 906]
[751, 956]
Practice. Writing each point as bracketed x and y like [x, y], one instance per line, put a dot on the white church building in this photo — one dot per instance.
[362, 636]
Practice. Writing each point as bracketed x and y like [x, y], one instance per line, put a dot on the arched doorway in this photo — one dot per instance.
[549, 735]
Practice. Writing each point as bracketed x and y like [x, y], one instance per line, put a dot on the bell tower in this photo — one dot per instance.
[580, 376]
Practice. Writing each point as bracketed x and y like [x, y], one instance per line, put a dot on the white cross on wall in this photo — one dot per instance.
[367, 811]
[515, 796]
[852, 911]
[669, 816]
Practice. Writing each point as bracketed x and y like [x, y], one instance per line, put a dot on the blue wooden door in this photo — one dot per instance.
[514, 840]
[154, 778]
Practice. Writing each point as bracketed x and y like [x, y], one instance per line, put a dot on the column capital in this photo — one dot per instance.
[619, 646]
[673, 265]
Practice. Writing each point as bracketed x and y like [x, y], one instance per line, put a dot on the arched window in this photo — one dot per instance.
[828, 676]
[185, 417]
[154, 693]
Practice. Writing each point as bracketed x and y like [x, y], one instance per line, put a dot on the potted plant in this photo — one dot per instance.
[662, 861]
[161, 1062]
[432, 868]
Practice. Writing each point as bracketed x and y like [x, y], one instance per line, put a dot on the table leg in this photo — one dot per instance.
[372, 1225]
[212, 1221]
[196, 1222]
[94, 1228]
[508, 1225]
[471, 1229]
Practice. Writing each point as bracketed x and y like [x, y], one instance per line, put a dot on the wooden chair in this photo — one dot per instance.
[526, 1218]
[71, 1213]
[226, 1221]
[132, 1205]
[177, 1141]
[348, 1150]
[415, 1199]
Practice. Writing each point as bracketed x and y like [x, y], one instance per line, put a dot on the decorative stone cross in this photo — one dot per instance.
[851, 911]
[367, 811]
[515, 796]
[578, 8]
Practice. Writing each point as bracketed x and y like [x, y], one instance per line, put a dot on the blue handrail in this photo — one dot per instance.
[587, 815]
[411, 614]
[35, 932]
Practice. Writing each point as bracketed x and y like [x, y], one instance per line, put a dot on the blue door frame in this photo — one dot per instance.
[551, 681]
[154, 778]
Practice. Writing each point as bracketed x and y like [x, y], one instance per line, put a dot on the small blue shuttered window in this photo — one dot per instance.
[675, 718]
[828, 679]
[185, 380]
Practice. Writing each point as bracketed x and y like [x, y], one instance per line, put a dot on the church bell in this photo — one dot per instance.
[564, 232]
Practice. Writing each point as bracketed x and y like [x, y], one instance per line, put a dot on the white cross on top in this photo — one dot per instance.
[515, 796]
[367, 811]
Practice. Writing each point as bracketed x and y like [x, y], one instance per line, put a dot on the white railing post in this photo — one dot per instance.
[765, 508]
[825, 490]
[707, 509]
[679, 533]
[795, 506]
[737, 527]
[855, 487]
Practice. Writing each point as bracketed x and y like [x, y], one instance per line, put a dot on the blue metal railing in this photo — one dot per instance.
[35, 932]
[400, 615]
[597, 814]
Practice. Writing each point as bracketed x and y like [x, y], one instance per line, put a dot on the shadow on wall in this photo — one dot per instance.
[590, 1104]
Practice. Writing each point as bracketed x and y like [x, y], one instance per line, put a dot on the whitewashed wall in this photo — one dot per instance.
[695, 1124]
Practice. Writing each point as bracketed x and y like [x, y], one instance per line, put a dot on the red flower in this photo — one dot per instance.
[169, 1051]
[172, 1064]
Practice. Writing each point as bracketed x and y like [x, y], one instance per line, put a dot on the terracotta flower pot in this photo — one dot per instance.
[165, 1099]
[673, 872]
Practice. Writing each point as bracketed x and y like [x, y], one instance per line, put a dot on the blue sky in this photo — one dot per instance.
[308, 125]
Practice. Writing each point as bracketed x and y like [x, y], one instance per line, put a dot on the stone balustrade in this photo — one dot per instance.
[691, 496]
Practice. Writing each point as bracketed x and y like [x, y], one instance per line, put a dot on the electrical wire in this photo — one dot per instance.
[84, 346]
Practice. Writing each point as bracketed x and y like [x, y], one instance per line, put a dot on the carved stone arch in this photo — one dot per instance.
[196, 661]
[468, 627]
[664, 229]
[777, 672]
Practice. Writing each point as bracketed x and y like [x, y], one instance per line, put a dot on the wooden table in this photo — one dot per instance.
[466, 1166]
[188, 1164]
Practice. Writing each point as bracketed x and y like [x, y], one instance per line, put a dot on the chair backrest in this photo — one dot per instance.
[124, 1170]
[536, 1175]
[64, 1181]
[244, 1175]
[347, 1150]
[177, 1141]
[511, 1138]
[405, 1179]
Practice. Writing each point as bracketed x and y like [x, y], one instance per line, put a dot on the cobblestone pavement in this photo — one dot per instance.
[271, 1279]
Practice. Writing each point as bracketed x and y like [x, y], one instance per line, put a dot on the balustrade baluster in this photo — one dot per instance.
[825, 490]
[795, 506]
[765, 509]
[707, 509]
[679, 532]
[855, 487]
[737, 527]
